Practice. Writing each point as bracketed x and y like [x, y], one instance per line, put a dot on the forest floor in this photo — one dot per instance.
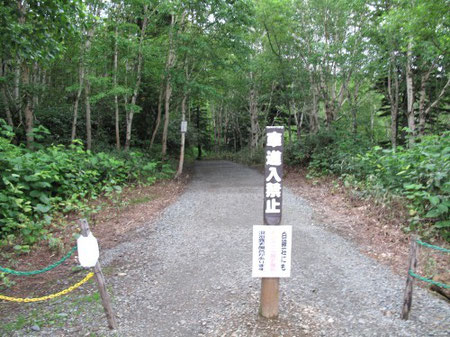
[187, 272]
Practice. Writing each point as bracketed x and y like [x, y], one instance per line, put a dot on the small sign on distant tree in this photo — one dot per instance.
[183, 126]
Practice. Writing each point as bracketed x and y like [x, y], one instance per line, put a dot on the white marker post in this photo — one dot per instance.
[271, 242]
[106, 302]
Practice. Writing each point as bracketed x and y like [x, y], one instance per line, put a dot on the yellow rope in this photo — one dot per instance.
[48, 297]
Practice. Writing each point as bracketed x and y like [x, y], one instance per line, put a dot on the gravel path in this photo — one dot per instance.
[190, 273]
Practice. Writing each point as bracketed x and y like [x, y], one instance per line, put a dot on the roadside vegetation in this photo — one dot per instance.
[58, 179]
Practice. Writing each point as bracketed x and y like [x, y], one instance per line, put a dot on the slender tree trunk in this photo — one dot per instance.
[87, 94]
[393, 95]
[28, 109]
[183, 137]
[199, 138]
[158, 117]
[410, 95]
[314, 115]
[130, 112]
[35, 81]
[16, 91]
[253, 109]
[77, 100]
[168, 93]
[9, 118]
[116, 98]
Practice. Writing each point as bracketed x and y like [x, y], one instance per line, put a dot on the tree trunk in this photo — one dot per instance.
[314, 116]
[253, 109]
[199, 140]
[9, 118]
[87, 94]
[168, 93]
[28, 110]
[158, 117]
[410, 95]
[130, 112]
[393, 95]
[77, 100]
[16, 91]
[116, 98]
[183, 137]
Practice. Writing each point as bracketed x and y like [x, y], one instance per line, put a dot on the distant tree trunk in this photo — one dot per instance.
[393, 94]
[158, 117]
[9, 118]
[116, 98]
[298, 122]
[314, 115]
[168, 93]
[199, 138]
[28, 110]
[87, 94]
[183, 137]
[77, 99]
[253, 109]
[16, 91]
[410, 95]
[130, 112]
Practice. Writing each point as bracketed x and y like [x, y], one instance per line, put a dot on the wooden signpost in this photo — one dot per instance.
[272, 244]
[106, 302]
[407, 297]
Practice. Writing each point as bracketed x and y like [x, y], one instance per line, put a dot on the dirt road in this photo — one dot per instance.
[189, 274]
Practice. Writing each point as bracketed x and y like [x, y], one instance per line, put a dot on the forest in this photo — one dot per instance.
[92, 95]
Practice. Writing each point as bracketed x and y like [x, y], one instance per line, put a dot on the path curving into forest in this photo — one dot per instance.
[189, 274]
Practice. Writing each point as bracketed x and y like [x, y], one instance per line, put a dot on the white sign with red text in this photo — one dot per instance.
[272, 251]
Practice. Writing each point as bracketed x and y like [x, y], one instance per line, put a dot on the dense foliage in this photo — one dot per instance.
[419, 174]
[36, 184]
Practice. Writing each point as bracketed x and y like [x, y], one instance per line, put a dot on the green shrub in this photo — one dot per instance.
[419, 174]
[35, 184]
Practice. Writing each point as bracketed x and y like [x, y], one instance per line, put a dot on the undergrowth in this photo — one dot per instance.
[37, 184]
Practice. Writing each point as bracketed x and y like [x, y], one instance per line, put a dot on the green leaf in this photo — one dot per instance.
[443, 224]
[41, 208]
[434, 200]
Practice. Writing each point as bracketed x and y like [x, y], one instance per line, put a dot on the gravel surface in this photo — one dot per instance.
[190, 273]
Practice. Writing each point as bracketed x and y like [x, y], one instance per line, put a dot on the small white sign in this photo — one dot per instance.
[88, 251]
[183, 126]
[272, 251]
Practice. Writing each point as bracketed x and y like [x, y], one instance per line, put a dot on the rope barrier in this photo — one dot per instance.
[432, 246]
[34, 272]
[424, 279]
[48, 297]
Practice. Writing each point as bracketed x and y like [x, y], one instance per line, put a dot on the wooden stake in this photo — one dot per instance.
[106, 302]
[407, 297]
[269, 297]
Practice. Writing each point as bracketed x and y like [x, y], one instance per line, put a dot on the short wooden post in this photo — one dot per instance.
[269, 297]
[106, 302]
[407, 297]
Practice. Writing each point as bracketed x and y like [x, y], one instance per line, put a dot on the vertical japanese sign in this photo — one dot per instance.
[273, 175]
